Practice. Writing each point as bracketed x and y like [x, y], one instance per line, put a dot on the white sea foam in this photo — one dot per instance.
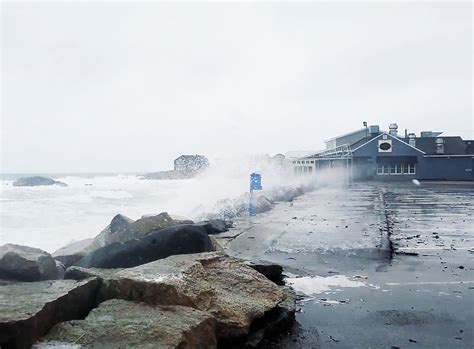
[313, 285]
[49, 217]
[111, 194]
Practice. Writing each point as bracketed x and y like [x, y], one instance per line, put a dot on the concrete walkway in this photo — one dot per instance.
[378, 265]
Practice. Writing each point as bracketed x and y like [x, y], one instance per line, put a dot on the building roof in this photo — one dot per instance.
[452, 145]
[364, 140]
[345, 135]
[296, 154]
[190, 157]
[401, 140]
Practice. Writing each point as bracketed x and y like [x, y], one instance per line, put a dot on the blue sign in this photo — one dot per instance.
[255, 184]
[255, 181]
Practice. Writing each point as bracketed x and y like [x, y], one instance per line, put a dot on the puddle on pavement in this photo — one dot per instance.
[316, 285]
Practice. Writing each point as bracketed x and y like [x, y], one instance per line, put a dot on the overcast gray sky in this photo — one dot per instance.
[119, 86]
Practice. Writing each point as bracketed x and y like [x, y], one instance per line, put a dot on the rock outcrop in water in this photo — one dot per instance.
[25, 263]
[36, 181]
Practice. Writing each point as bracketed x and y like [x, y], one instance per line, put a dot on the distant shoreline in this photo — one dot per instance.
[14, 176]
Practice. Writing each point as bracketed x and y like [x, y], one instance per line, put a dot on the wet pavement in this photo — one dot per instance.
[377, 265]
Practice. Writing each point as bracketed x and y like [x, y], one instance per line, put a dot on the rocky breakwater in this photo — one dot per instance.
[203, 300]
[229, 209]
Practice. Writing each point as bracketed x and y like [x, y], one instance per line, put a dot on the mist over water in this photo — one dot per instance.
[49, 217]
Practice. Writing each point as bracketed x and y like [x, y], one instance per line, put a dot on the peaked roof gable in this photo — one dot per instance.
[389, 136]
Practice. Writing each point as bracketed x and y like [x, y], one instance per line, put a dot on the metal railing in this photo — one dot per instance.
[341, 152]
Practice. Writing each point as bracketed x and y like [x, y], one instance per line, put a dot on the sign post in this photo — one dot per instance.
[255, 184]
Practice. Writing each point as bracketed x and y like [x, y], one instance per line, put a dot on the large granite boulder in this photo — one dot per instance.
[36, 181]
[25, 263]
[70, 254]
[120, 229]
[117, 231]
[175, 240]
[230, 290]
[118, 323]
[29, 310]
[147, 224]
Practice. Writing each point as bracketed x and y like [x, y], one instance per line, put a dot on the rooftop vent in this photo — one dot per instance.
[412, 139]
[374, 129]
[439, 145]
[393, 129]
[425, 134]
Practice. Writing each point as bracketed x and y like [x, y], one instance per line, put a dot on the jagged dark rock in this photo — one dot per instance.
[36, 181]
[215, 226]
[29, 310]
[269, 327]
[179, 239]
[273, 272]
[25, 263]
[147, 224]
[120, 229]
[80, 273]
[61, 269]
[117, 231]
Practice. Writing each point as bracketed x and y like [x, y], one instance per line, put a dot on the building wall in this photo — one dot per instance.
[447, 168]
[368, 156]
[403, 162]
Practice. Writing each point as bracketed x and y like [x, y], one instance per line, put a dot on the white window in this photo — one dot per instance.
[396, 169]
[379, 169]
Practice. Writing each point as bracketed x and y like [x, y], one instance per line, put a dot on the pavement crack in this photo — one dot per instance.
[386, 227]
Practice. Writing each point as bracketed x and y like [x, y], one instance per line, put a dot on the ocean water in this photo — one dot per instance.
[49, 217]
